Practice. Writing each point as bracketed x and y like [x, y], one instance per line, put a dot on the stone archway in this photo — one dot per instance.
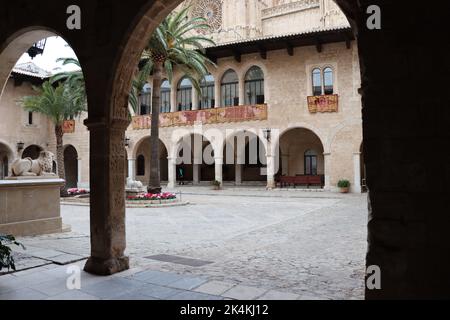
[142, 159]
[407, 239]
[71, 166]
[195, 161]
[245, 159]
[32, 152]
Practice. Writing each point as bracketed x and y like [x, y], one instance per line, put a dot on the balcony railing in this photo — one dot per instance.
[209, 116]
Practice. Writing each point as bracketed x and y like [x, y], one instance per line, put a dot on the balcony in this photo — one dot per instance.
[209, 116]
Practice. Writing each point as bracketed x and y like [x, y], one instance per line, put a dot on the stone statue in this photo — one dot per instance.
[134, 186]
[31, 168]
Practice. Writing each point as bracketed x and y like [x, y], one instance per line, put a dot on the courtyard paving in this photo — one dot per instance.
[240, 244]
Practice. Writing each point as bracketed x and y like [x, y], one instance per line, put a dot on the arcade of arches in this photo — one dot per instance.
[408, 197]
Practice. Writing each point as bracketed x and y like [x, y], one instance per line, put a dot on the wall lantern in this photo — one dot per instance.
[127, 142]
[267, 134]
[20, 145]
[37, 48]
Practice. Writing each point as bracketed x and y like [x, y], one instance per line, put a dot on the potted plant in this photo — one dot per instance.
[6, 258]
[344, 186]
[216, 185]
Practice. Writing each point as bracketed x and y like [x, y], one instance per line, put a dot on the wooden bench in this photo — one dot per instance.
[308, 181]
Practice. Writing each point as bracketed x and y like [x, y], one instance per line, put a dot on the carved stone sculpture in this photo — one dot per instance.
[31, 168]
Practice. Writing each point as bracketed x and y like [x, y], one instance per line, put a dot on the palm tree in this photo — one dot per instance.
[173, 44]
[58, 104]
[73, 79]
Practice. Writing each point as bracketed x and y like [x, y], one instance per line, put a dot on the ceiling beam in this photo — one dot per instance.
[237, 55]
[319, 46]
[290, 49]
[263, 52]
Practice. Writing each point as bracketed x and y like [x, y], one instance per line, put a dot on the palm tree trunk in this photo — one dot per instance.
[154, 185]
[59, 133]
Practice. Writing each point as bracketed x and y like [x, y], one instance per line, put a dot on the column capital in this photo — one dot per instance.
[103, 123]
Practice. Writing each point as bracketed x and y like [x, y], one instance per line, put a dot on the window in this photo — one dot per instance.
[310, 163]
[323, 83]
[145, 102]
[317, 82]
[230, 89]
[165, 97]
[140, 168]
[184, 95]
[254, 86]
[328, 81]
[30, 118]
[207, 98]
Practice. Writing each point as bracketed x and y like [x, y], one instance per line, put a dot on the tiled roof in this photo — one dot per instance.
[32, 70]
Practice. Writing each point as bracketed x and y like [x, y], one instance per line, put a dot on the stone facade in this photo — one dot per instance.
[287, 84]
[408, 193]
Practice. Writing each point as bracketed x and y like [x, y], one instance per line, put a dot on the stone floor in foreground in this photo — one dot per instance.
[261, 245]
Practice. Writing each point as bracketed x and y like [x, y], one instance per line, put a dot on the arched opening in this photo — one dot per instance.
[145, 100]
[230, 89]
[245, 159]
[254, 86]
[195, 160]
[207, 99]
[71, 166]
[32, 152]
[302, 161]
[165, 96]
[6, 157]
[184, 94]
[143, 161]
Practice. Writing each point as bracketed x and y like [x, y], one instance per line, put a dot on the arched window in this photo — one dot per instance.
[184, 95]
[207, 98]
[165, 96]
[311, 163]
[323, 83]
[317, 82]
[145, 100]
[230, 89]
[254, 86]
[328, 80]
[140, 168]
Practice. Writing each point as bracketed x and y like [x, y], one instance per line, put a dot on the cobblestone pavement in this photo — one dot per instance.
[269, 245]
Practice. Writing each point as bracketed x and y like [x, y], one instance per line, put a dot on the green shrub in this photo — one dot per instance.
[216, 183]
[344, 184]
[6, 259]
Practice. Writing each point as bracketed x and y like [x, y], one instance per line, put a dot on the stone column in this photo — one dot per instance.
[241, 91]
[173, 99]
[219, 169]
[107, 181]
[196, 173]
[238, 174]
[195, 101]
[271, 172]
[357, 172]
[172, 170]
[79, 173]
[217, 93]
[132, 169]
[327, 163]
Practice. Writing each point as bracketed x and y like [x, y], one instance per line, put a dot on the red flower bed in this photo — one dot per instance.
[152, 197]
[76, 192]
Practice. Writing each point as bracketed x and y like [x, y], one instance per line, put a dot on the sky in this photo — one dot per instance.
[55, 48]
